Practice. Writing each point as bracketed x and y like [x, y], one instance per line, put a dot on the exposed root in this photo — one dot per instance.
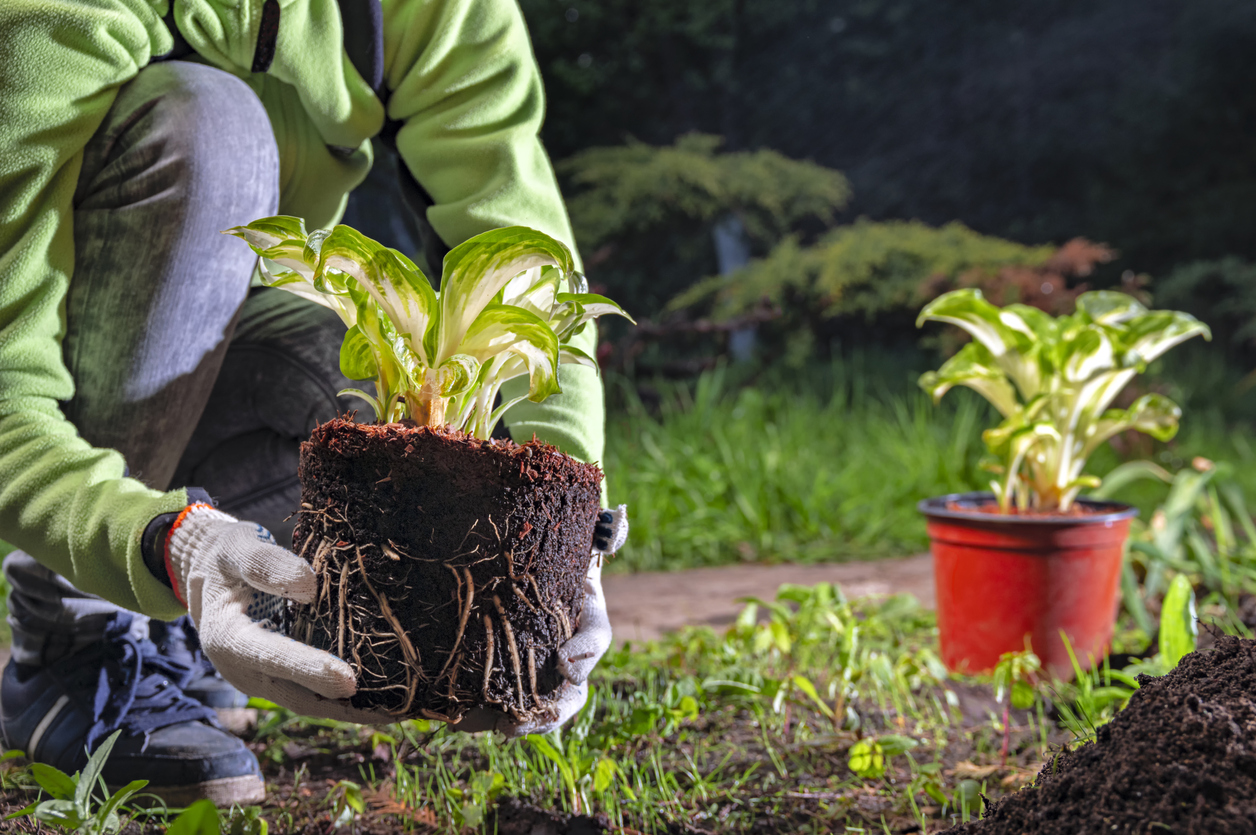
[555, 612]
[413, 668]
[519, 593]
[462, 619]
[532, 674]
[510, 644]
[344, 587]
[488, 661]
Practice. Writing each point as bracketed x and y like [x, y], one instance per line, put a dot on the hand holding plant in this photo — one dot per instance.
[1053, 380]
[402, 519]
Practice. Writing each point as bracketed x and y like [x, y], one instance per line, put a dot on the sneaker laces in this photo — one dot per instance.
[137, 689]
[180, 642]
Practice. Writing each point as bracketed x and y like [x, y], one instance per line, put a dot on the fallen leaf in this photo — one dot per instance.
[967, 769]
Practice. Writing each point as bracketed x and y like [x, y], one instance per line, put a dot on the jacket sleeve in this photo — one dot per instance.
[466, 90]
[61, 500]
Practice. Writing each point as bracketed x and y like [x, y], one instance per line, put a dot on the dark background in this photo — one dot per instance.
[1129, 122]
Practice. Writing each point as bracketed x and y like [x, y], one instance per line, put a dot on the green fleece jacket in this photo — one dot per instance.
[461, 80]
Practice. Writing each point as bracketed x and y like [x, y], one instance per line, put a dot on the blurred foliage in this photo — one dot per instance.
[1123, 121]
[865, 269]
[870, 279]
[1221, 293]
[644, 215]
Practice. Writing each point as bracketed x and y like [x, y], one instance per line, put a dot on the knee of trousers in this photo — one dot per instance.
[216, 141]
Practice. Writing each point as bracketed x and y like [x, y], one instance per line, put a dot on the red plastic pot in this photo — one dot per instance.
[1000, 578]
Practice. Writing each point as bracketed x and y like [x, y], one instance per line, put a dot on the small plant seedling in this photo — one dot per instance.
[1053, 380]
[868, 758]
[1178, 622]
[1013, 677]
[72, 807]
[201, 818]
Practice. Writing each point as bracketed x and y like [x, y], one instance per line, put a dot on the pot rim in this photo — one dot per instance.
[936, 508]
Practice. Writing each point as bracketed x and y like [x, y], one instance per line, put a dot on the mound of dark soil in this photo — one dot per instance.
[450, 568]
[1180, 758]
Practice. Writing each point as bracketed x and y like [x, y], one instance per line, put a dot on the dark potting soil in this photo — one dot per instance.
[512, 816]
[1180, 758]
[1077, 509]
[450, 568]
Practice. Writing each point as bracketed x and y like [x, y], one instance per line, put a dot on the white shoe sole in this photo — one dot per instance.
[247, 790]
[238, 720]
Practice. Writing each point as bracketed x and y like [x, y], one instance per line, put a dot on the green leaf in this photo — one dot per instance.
[1128, 473]
[866, 759]
[61, 813]
[1178, 628]
[54, 781]
[1154, 333]
[400, 289]
[804, 684]
[604, 774]
[357, 356]
[892, 744]
[579, 308]
[1022, 695]
[571, 355]
[478, 269]
[1008, 337]
[503, 329]
[974, 368]
[1109, 308]
[269, 231]
[458, 374]
[23, 812]
[201, 818]
[1153, 414]
[543, 746]
[118, 798]
[534, 290]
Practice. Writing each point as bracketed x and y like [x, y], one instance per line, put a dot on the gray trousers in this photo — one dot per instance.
[195, 378]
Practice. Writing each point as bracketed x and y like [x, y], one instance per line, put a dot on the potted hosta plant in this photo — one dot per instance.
[1031, 558]
[451, 565]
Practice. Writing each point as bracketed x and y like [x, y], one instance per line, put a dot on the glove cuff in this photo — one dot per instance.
[187, 534]
[153, 540]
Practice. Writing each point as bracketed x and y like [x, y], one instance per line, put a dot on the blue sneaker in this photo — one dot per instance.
[59, 713]
[177, 641]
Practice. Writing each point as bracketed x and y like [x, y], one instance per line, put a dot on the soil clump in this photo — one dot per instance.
[1180, 758]
[450, 568]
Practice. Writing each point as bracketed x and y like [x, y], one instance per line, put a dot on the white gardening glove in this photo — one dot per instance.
[233, 576]
[580, 654]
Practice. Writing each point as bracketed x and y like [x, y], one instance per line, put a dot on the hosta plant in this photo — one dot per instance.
[451, 565]
[510, 300]
[1054, 381]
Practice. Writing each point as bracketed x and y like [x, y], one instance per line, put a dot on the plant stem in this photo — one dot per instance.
[431, 412]
[1007, 729]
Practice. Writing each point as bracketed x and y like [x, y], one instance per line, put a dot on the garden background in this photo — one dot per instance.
[874, 154]
[774, 188]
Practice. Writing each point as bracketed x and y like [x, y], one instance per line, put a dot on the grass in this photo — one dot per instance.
[811, 714]
[822, 472]
[828, 463]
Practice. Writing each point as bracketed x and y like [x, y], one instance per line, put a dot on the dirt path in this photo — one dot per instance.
[644, 606]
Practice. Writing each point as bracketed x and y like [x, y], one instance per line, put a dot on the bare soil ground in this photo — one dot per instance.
[646, 605]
